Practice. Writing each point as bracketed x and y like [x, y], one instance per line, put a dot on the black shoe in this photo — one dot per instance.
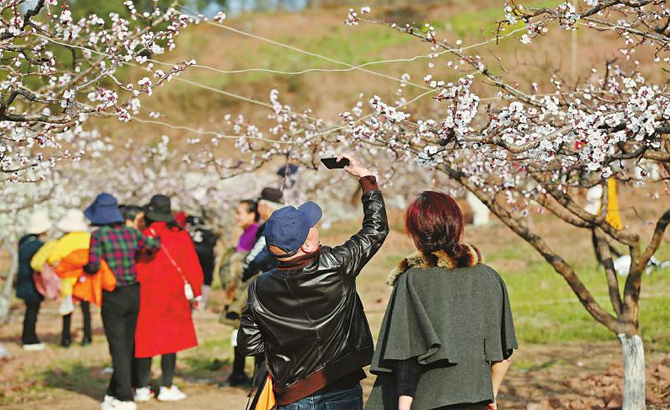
[65, 343]
[87, 341]
[238, 380]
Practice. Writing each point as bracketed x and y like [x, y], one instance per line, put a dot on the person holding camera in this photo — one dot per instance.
[305, 315]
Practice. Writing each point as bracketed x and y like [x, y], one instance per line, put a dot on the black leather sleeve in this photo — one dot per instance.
[249, 339]
[360, 248]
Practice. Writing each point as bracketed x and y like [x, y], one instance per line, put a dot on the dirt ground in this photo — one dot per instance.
[551, 376]
[544, 377]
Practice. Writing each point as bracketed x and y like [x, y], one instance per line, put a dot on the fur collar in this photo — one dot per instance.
[460, 255]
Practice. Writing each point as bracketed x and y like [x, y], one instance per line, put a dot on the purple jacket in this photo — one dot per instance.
[248, 238]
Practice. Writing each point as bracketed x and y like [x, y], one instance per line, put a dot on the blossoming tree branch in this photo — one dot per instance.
[529, 146]
[516, 144]
[58, 73]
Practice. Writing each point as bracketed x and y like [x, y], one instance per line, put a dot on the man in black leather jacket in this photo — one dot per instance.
[305, 315]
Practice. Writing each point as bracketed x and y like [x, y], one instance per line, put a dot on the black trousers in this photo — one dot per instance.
[119, 317]
[67, 322]
[29, 337]
[168, 366]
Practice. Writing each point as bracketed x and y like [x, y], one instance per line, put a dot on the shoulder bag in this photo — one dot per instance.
[188, 289]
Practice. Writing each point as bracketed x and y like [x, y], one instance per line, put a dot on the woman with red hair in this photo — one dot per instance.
[448, 333]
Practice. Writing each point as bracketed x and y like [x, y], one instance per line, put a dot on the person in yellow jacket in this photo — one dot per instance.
[76, 238]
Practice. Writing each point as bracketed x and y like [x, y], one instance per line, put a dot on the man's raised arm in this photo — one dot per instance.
[361, 247]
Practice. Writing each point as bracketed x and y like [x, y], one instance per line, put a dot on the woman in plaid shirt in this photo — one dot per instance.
[119, 245]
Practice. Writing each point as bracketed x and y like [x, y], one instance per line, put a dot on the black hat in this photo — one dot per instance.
[159, 209]
[271, 194]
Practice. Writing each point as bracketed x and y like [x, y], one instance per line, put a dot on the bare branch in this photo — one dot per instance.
[603, 249]
[560, 266]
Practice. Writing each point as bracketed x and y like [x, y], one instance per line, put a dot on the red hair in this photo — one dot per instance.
[435, 221]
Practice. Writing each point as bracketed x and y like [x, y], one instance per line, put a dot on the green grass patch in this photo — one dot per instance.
[76, 376]
[546, 310]
[352, 46]
[212, 343]
[485, 19]
[203, 366]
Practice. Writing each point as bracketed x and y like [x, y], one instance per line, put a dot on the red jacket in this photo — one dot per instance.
[165, 324]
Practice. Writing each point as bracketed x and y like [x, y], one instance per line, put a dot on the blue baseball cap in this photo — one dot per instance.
[288, 227]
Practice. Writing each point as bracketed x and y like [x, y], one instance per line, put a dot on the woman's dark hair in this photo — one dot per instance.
[130, 212]
[435, 222]
[252, 207]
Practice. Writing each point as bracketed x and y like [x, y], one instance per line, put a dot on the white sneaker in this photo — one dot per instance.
[171, 394]
[107, 402]
[120, 405]
[34, 347]
[143, 394]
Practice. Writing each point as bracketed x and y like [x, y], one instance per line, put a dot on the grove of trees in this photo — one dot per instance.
[531, 144]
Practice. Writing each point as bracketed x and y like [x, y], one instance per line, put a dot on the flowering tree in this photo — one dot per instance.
[548, 149]
[527, 145]
[524, 147]
[58, 73]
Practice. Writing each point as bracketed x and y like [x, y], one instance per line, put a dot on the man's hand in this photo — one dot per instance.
[354, 168]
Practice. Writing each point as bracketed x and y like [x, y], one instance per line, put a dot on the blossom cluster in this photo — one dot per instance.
[353, 19]
[46, 99]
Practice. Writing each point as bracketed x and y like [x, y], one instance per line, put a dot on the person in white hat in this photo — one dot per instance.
[76, 238]
[29, 244]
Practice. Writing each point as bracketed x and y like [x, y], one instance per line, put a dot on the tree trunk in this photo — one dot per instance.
[634, 385]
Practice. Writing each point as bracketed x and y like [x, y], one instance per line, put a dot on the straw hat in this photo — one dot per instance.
[73, 221]
[39, 223]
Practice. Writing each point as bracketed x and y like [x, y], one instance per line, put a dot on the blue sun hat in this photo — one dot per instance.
[104, 210]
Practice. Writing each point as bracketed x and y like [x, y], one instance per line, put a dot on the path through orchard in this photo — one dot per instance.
[573, 375]
[75, 378]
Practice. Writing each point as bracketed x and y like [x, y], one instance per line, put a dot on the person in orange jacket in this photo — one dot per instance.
[76, 237]
[87, 288]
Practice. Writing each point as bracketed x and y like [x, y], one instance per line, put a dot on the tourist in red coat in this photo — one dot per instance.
[169, 282]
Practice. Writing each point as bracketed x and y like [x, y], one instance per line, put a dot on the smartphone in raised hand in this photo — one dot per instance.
[332, 163]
